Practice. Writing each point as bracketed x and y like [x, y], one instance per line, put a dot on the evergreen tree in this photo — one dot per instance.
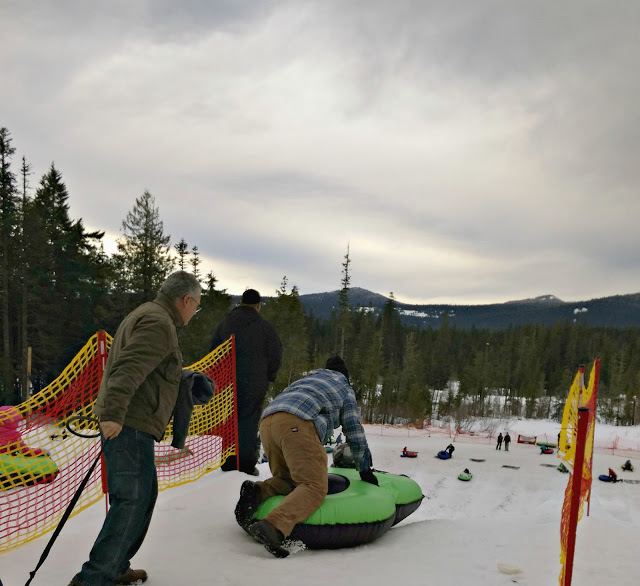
[66, 280]
[287, 316]
[143, 253]
[417, 394]
[8, 227]
[368, 389]
[195, 262]
[344, 319]
[441, 355]
[24, 264]
[182, 248]
[392, 332]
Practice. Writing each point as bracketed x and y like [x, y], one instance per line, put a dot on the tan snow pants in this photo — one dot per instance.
[298, 463]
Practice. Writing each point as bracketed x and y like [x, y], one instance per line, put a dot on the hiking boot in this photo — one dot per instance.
[270, 537]
[250, 499]
[131, 576]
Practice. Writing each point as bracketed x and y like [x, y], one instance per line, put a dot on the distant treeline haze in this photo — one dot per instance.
[58, 287]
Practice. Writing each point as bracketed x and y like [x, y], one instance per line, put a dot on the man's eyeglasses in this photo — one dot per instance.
[197, 303]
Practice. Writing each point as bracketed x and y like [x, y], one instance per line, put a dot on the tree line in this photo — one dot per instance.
[58, 287]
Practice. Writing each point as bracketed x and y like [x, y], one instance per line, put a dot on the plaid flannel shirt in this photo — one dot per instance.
[326, 398]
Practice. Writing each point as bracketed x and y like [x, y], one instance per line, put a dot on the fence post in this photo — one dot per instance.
[102, 362]
[576, 483]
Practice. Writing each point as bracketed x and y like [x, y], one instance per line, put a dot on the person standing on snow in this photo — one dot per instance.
[499, 444]
[258, 357]
[137, 396]
[294, 428]
[507, 441]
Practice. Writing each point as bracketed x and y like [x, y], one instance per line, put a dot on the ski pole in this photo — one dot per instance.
[75, 498]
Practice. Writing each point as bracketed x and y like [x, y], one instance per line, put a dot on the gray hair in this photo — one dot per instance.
[179, 284]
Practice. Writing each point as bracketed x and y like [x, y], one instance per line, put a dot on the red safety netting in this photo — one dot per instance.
[42, 464]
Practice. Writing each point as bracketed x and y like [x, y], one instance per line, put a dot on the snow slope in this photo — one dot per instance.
[461, 534]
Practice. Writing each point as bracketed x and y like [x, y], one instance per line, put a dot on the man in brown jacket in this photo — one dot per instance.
[136, 399]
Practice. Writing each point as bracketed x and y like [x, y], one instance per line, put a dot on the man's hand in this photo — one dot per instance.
[110, 429]
[368, 476]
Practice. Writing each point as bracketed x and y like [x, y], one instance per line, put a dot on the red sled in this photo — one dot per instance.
[408, 454]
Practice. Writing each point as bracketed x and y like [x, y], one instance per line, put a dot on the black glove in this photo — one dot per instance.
[368, 476]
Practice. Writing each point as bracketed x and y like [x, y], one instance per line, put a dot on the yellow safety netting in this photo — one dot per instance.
[42, 464]
[579, 396]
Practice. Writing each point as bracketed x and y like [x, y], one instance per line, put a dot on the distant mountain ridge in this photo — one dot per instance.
[615, 311]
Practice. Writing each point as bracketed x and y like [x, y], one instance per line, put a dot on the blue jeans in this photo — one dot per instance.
[133, 488]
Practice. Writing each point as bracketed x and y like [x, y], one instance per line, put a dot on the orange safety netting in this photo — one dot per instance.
[578, 397]
[42, 464]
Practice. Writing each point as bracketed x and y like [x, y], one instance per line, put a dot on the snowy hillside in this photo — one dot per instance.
[461, 534]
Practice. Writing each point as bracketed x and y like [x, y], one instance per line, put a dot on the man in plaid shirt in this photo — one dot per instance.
[293, 429]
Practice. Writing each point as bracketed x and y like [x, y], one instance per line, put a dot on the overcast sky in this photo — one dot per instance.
[467, 152]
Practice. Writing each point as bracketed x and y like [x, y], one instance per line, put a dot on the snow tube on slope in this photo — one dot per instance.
[466, 476]
[604, 478]
[25, 470]
[354, 511]
[546, 450]
[443, 455]
[409, 454]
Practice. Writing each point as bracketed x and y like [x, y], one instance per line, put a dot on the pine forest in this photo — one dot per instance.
[58, 287]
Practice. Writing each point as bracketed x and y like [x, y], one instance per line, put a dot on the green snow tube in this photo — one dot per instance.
[466, 476]
[25, 470]
[354, 511]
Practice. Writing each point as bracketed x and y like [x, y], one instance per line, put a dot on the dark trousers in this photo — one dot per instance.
[133, 489]
[249, 444]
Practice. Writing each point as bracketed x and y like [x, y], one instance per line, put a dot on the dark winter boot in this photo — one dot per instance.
[131, 577]
[250, 499]
[270, 537]
[229, 464]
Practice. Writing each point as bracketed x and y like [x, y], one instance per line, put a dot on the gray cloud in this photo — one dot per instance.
[481, 154]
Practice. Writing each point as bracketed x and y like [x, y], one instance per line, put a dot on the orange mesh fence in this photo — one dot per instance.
[42, 464]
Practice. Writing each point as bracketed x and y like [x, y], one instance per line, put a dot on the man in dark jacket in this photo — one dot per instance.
[507, 441]
[499, 444]
[137, 396]
[294, 428]
[258, 357]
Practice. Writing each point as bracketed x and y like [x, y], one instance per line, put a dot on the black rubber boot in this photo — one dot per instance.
[250, 499]
[270, 537]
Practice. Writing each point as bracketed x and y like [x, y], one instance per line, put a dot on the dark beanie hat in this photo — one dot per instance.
[336, 363]
[251, 297]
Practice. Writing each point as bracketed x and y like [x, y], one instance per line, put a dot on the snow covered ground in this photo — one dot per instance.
[462, 533]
